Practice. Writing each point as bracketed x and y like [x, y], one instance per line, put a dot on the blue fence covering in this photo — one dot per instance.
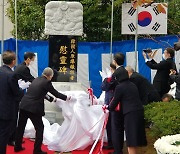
[94, 51]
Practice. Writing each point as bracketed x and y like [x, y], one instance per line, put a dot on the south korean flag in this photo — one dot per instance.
[149, 20]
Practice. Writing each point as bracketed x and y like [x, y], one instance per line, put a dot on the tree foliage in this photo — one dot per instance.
[96, 22]
[174, 17]
[30, 19]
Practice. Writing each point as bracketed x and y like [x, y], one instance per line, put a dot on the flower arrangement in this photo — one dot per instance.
[169, 144]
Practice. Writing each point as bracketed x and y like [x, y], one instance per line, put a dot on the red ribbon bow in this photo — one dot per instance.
[90, 91]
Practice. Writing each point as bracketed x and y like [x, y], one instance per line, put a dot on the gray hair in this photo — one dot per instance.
[48, 72]
[129, 69]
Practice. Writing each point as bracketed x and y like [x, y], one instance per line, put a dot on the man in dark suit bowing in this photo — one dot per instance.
[10, 96]
[32, 106]
[147, 92]
[161, 80]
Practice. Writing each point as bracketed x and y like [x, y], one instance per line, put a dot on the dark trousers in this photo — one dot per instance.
[108, 129]
[5, 127]
[38, 125]
[14, 127]
[117, 130]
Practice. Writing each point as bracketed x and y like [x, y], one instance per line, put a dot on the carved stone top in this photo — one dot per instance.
[64, 18]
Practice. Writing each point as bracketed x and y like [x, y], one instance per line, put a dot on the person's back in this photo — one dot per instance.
[7, 97]
[120, 74]
[33, 100]
[147, 92]
[128, 96]
[10, 94]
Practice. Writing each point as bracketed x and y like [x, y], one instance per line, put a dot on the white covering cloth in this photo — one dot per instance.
[81, 126]
[23, 85]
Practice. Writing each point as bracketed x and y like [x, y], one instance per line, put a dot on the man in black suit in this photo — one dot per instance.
[161, 80]
[32, 106]
[147, 92]
[22, 70]
[10, 96]
[117, 123]
[120, 73]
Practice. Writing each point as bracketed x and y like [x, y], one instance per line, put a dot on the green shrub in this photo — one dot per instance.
[164, 118]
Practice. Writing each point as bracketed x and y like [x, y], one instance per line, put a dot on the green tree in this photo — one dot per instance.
[174, 17]
[30, 19]
[96, 19]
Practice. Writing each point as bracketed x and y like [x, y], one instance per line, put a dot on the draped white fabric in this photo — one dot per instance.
[81, 126]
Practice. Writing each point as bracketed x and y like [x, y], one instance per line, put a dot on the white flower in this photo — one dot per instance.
[164, 144]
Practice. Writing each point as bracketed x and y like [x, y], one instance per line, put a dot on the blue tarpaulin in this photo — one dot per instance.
[94, 51]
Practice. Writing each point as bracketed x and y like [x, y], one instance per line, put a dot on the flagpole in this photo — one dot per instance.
[16, 31]
[112, 16]
[2, 33]
[136, 38]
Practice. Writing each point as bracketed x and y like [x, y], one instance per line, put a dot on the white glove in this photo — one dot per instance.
[103, 74]
[20, 80]
[68, 98]
[22, 84]
[28, 83]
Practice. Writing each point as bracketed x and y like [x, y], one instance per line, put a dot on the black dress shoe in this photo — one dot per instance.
[41, 152]
[17, 149]
[108, 147]
[12, 143]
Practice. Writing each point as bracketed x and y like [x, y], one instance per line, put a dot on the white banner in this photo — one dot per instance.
[150, 20]
[83, 70]
[34, 67]
[132, 60]
[157, 58]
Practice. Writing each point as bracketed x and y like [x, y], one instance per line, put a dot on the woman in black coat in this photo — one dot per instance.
[126, 94]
